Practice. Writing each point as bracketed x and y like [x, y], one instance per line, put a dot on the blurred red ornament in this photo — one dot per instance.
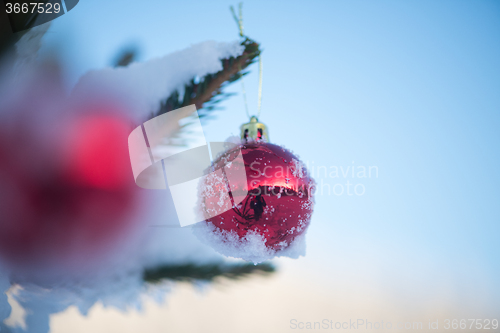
[68, 202]
[279, 202]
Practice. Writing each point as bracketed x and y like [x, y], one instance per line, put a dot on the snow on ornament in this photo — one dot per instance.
[271, 206]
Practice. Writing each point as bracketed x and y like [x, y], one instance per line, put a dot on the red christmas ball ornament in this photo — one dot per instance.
[270, 208]
[75, 202]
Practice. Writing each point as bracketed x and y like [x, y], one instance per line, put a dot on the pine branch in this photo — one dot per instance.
[191, 272]
[125, 58]
[206, 93]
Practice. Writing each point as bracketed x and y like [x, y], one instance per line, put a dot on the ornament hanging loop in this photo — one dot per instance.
[239, 20]
[259, 98]
[253, 130]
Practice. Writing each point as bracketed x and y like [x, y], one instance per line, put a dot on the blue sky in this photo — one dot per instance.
[411, 87]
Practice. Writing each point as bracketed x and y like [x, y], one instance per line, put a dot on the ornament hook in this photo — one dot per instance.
[254, 131]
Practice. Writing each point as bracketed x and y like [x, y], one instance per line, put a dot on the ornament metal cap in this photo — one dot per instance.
[254, 131]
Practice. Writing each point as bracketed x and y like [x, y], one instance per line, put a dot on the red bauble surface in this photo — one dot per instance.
[279, 202]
